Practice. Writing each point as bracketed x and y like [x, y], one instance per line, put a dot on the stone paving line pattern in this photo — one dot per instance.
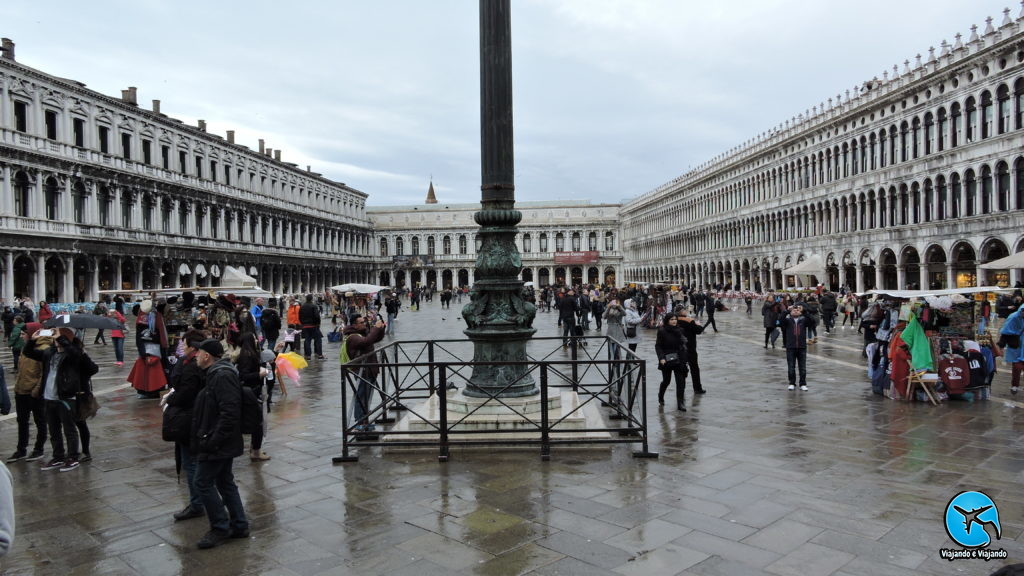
[752, 480]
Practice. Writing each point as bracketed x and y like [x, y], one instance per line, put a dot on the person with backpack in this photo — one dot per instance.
[270, 322]
[216, 441]
[1013, 352]
[186, 382]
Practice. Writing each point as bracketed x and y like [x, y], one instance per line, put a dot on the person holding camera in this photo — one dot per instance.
[795, 327]
[360, 340]
[670, 346]
[65, 367]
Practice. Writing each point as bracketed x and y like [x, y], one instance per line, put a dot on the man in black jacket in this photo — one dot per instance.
[691, 329]
[795, 327]
[187, 379]
[309, 318]
[65, 367]
[216, 442]
[567, 308]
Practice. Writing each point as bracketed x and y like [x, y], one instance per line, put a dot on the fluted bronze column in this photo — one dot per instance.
[499, 321]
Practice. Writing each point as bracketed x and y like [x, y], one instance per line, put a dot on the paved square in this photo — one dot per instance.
[753, 479]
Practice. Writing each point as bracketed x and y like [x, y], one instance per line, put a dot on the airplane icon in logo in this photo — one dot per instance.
[971, 517]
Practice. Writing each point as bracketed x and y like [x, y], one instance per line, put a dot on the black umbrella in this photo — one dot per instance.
[82, 321]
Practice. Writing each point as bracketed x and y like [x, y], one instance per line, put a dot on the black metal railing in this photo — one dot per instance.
[399, 397]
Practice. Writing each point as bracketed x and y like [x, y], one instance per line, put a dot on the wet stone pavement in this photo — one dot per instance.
[752, 480]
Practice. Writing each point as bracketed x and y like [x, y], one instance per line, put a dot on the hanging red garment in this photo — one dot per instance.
[147, 375]
[900, 363]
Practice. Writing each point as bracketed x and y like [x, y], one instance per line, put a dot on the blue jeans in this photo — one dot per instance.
[794, 357]
[118, 348]
[217, 489]
[391, 323]
[188, 464]
[361, 400]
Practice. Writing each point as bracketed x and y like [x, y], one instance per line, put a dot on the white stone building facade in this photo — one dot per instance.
[915, 178]
[447, 233]
[98, 193]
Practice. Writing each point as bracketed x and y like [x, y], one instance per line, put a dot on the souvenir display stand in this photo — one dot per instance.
[956, 361]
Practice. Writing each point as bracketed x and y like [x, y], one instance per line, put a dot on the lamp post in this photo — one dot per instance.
[499, 321]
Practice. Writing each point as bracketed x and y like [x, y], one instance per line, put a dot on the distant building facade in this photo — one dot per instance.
[435, 244]
[916, 178]
[97, 193]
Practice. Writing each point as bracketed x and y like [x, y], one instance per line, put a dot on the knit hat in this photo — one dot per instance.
[212, 347]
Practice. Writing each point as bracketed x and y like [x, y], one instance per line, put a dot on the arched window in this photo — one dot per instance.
[22, 195]
[987, 114]
[383, 246]
[399, 246]
[941, 199]
[881, 149]
[527, 243]
[873, 150]
[986, 189]
[956, 202]
[893, 140]
[576, 242]
[915, 138]
[430, 245]
[971, 186]
[904, 144]
[592, 241]
[955, 128]
[51, 193]
[971, 128]
[1002, 187]
[846, 160]
[943, 126]
[559, 242]
[1018, 175]
[609, 241]
[446, 245]
[183, 219]
[463, 247]
[147, 216]
[543, 242]
[929, 133]
[1003, 95]
[415, 245]
[1018, 99]
[929, 201]
[165, 214]
[128, 207]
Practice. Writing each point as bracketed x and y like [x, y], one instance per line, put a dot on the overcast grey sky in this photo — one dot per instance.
[612, 97]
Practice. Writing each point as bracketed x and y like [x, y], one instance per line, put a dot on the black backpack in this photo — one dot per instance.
[252, 411]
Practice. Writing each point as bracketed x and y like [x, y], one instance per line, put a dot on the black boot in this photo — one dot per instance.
[661, 394]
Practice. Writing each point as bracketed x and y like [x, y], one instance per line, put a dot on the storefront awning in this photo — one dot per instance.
[215, 270]
[201, 270]
[253, 271]
[947, 292]
[184, 269]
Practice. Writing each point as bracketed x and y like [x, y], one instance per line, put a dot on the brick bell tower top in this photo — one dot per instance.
[431, 199]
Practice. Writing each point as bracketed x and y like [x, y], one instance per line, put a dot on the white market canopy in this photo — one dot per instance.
[813, 264]
[946, 292]
[359, 288]
[237, 277]
[1011, 261]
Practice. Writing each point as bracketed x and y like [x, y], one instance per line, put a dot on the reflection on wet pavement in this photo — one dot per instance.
[753, 479]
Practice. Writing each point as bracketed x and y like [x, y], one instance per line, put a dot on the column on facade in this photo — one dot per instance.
[94, 280]
[859, 271]
[38, 200]
[67, 203]
[118, 278]
[69, 280]
[115, 209]
[901, 277]
[6, 192]
[980, 274]
[8, 277]
[922, 277]
[40, 277]
[950, 275]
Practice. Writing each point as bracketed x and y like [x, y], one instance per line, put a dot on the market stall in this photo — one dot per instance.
[937, 340]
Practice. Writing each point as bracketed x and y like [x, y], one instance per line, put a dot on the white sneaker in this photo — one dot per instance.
[803, 388]
[792, 387]
[1014, 389]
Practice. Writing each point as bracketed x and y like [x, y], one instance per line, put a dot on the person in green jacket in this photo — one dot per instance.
[14, 340]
